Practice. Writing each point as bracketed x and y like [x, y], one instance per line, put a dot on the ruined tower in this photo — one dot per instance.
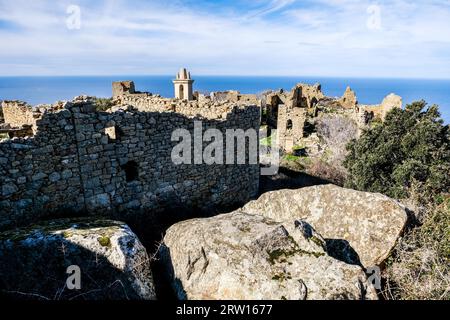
[183, 85]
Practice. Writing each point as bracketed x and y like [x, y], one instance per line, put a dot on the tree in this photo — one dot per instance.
[411, 147]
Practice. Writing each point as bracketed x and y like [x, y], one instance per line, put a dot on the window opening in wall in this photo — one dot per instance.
[181, 92]
[131, 169]
[114, 133]
[289, 125]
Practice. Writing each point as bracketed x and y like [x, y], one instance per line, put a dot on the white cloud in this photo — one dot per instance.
[283, 37]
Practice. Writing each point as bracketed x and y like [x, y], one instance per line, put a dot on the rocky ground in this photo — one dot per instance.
[309, 243]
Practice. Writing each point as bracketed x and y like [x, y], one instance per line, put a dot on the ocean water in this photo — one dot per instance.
[36, 90]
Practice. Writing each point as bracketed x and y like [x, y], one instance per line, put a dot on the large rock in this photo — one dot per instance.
[240, 256]
[366, 222]
[35, 263]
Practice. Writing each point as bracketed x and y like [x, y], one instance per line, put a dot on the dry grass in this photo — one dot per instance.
[419, 268]
[325, 170]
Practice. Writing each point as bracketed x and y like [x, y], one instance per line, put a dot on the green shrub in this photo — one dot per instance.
[412, 145]
[4, 136]
[103, 104]
[291, 157]
[267, 142]
[408, 157]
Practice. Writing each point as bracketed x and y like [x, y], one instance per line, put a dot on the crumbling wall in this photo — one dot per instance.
[205, 109]
[349, 99]
[311, 94]
[121, 88]
[234, 96]
[1, 113]
[291, 123]
[117, 162]
[17, 113]
[380, 111]
[40, 174]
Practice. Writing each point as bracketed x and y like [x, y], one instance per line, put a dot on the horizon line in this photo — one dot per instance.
[229, 76]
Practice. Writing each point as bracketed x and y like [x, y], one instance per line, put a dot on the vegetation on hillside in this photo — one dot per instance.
[419, 268]
[408, 157]
[411, 146]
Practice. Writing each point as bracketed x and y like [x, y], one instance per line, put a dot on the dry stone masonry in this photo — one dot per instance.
[69, 156]
[117, 161]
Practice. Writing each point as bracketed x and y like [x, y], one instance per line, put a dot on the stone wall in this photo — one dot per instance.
[106, 163]
[121, 88]
[380, 111]
[349, 99]
[291, 123]
[234, 96]
[17, 113]
[1, 113]
[205, 109]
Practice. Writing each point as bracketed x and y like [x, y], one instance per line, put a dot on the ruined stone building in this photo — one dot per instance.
[380, 111]
[349, 99]
[122, 88]
[71, 157]
[20, 118]
[288, 112]
[18, 113]
[82, 160]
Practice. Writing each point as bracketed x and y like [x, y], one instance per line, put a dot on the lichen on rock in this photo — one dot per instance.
[241, 256]
[113, 263]
[358, 227]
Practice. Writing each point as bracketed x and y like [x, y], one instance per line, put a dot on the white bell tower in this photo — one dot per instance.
[183, 85]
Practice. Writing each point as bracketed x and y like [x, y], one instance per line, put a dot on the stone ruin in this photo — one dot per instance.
[69, 156]
[19, 118]
[214, 105]
[122, 88]
[234, 96]
[78, 159]
[288, 112]
[349, 99]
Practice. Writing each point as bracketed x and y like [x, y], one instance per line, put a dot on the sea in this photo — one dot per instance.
[39, 90]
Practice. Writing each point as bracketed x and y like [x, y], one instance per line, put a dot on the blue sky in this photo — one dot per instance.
[346, 38]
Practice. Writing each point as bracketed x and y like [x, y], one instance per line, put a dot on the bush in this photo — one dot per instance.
[412, 145]
[336, 131]
[103, 104]
[4, 136]
[408, 157]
